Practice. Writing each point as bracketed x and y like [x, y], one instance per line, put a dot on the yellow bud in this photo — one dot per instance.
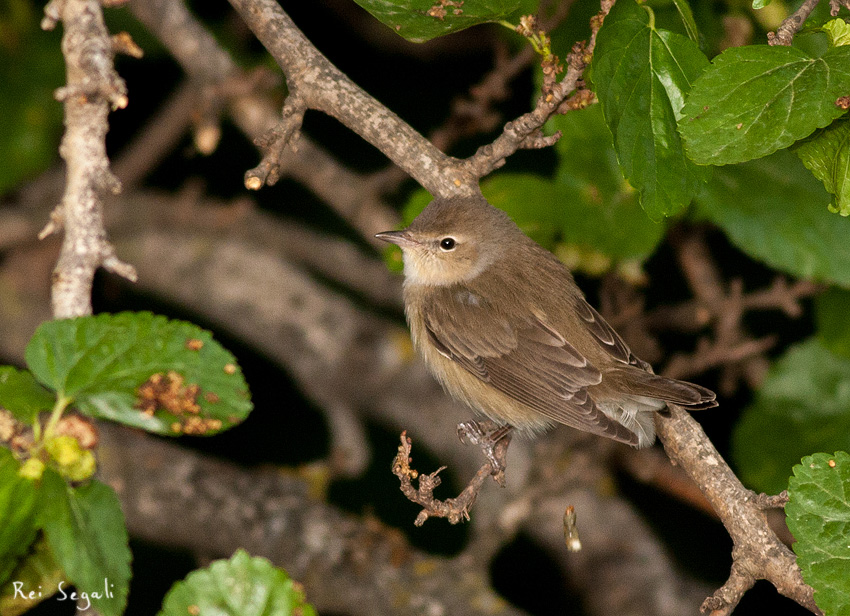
[73, 462]
[32, 469]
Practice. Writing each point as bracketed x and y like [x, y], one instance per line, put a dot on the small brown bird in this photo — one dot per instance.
[503, 326]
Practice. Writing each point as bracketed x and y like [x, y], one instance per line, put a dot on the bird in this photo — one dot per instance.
[502, 325]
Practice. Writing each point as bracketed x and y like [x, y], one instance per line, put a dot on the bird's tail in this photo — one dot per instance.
[639, 383]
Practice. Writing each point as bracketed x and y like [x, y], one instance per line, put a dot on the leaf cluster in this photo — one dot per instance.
[58, 526]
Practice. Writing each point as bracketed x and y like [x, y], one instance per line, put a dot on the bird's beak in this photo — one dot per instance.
[401, 238]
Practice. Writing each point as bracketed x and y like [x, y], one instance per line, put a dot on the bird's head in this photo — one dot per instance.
[452, 241]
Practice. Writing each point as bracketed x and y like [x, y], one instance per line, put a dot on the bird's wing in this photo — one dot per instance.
[606, 337]
[524, 358]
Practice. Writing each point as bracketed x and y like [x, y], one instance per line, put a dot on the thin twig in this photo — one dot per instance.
[284, 134]
[784, 34]
[453, 509]
[835, 6]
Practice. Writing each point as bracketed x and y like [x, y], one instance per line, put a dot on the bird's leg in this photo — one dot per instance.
[492, 438]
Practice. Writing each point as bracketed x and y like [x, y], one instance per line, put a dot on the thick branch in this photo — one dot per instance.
[758, 552]
[179, 498]
[324, 87]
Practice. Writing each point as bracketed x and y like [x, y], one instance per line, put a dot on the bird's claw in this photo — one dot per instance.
[493, 440]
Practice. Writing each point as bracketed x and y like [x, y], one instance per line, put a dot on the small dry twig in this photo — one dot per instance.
[835, 6]
[453, 509]
[284, 134]
[784, 34]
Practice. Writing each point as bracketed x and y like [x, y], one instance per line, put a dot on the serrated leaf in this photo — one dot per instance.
[85, 529]
[597, 209]
[38, 574]
[838, 31]
[775, 211]
[802, 406]
[642, 75]
[818, 515]
[22, 395]
[827, 156]
[832, 316]
[108, 364]
[240, 586]
[18, 499]
[421, 20]
[757, 99]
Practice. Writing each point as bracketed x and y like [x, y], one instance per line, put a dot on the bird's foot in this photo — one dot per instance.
[492, 438]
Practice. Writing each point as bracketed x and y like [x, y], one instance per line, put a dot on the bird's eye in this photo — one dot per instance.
[448, 243]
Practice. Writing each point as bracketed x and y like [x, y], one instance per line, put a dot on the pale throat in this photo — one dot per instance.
[435, 272]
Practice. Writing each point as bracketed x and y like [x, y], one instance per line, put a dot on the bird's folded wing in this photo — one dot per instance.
[606, 336]
[524, 358]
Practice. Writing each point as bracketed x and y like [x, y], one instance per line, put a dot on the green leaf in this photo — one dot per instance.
[108, 364]
[530, 200]
[32, 119]
[760, 4]
[642, 75]
[411, 18]
[241, 586]
[22, 395]
[803, 406]
[18, 499]
[757, 99]
[596, 209]
[774, 210]
[832, 316]
[827, 156]
[85, 529]
[838, 31]
[818, 515]
[38, 574]
[687, 16]
[567, 32]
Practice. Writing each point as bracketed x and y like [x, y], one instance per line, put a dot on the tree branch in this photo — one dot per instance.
[784, 34]
[179, 498]
[320, 85]
[323, 87]
[354, 197]
[758, 553]
[92, 86]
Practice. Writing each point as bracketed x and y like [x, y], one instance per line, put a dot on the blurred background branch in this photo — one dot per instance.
[290, 274]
